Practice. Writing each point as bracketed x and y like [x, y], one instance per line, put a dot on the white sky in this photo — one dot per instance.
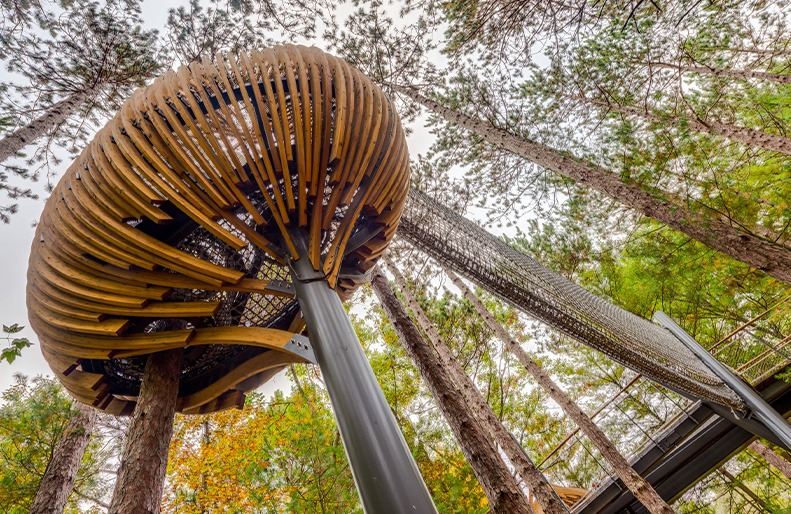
[17, 237]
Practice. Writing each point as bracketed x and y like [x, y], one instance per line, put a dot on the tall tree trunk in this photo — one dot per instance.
[736, 133]
[58, 481]
[56, 114]
[712, 230]
[641, 489]
[499, 485]
[537, 484]
[721, 72]
[780, 464]
[141, 476]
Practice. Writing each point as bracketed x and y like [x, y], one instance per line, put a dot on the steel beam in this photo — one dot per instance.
[696, 449]
[761, 410]
[384, 471]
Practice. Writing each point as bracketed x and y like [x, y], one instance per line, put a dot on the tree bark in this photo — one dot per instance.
[56, 114]
[58, 481]
[721, 72]
[780, 464]
[536, 483]
[641, 489]
[736, 133]
[712, 230]
[141, 476]
[498, 483]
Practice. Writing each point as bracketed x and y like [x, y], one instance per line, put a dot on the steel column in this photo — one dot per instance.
[761, 410]
[384, 471]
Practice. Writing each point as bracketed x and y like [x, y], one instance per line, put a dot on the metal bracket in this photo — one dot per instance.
[754, 427]
[361, 237]
[300, 272]
[353, 274]
[300, 345]
[280, 286]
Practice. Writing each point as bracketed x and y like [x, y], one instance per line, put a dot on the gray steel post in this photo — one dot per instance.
[384, 471]
[761, 410]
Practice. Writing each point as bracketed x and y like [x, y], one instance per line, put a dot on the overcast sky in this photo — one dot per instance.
[17, 237]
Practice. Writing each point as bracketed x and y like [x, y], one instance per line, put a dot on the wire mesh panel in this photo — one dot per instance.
[524, 283]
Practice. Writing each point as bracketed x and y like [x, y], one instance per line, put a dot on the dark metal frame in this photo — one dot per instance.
[759, 408]
[686, 451]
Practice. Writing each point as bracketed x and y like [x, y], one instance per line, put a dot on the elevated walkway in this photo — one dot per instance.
[693, 445]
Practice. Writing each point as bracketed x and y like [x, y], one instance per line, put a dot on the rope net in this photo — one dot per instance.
[545, 295]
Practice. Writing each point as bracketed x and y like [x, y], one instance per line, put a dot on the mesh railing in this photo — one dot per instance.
[543, 294]
[205, 363]
[754, 357]
[761, 347]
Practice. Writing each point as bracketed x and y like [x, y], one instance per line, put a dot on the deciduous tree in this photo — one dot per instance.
[46, 449]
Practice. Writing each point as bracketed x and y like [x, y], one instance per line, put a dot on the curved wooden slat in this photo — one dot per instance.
[262, 362]
[249, 150]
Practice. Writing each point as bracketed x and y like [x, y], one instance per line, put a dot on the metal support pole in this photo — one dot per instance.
[384, 471]
[761, 410]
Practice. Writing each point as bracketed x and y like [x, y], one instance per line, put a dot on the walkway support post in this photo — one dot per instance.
[759, 408]
[384, 471]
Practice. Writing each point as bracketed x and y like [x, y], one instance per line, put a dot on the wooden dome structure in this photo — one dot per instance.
[174, 226]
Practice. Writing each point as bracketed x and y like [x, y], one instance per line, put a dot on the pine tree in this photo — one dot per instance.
[709, 228]
[141, 474]
[61, 472]
[631, 479]
[747, 136]
[498, 483]
[83, 60]
[536, 482]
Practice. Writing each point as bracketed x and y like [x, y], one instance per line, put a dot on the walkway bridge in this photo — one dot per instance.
[699, 438]
[699, 423]
[694, 445]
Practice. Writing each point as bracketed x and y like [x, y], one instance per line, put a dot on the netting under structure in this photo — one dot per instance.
[545, 295]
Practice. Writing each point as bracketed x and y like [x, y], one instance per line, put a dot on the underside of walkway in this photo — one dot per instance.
[688, 449]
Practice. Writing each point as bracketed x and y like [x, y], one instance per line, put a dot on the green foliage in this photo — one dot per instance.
[85, 44]
[745, 484]
[59, 48]
[195, 30]
[284, 453]
[390, 53]
[450, 479]
[281, 454]
[647, 269]
[33, 414]
[204, 29]
[15, 344]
